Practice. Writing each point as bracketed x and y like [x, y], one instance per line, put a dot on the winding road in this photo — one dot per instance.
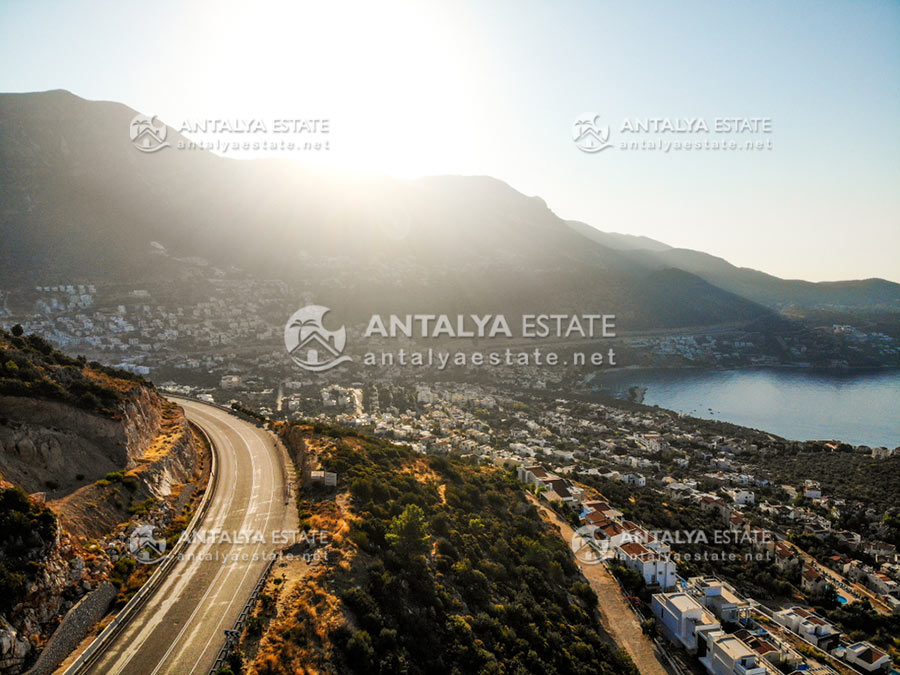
[180, 628]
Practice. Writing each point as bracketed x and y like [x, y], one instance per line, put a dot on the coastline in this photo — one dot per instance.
[857, 406]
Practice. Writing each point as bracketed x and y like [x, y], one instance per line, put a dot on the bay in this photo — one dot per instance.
[860, 407]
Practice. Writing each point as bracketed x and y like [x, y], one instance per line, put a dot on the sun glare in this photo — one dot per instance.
[388, 81]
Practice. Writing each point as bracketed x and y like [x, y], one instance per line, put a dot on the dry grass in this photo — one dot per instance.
[121, 385]
[296, 632]
[298, 624]
[304, 612]
[172, 430]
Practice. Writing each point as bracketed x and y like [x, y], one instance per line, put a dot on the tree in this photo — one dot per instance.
[17, 330]
[408, 532]
[649, 628]
[829, 598]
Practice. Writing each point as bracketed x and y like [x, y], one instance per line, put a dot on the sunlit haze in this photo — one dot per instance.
[449, 336]
[414, 89]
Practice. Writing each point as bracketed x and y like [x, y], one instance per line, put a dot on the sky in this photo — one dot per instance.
[466, 87]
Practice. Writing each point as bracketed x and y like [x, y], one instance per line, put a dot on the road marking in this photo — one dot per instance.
[259, 500]
[169, 592]
[234, 597]
[214, 585]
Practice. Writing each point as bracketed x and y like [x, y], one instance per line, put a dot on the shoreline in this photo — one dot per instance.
[753, 366]
[760, 417]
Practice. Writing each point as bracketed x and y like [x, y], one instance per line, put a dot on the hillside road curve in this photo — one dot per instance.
[180, 628]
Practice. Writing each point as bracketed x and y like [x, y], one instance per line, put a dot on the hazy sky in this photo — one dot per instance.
[494, 88]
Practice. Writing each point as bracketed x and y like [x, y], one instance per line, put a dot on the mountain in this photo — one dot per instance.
[865, 294]
[82, 204]
[766, 289]
[620, 242]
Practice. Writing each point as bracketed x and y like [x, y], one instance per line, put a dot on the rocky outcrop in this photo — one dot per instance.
[96, 509]
[56, 447]
[99, 473]
[13, 648]
[65, 576]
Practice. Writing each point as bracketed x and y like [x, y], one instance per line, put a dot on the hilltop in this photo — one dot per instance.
[433, 565]
[81, 200]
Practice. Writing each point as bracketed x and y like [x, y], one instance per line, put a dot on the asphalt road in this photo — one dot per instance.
[181, 627]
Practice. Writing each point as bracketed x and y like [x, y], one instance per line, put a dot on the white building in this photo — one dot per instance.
[682, 618]
[810, 626]
[812, 490]
[728, 655]
[720, 598]
[655, 567]
[865, 657]
[635, 479]
[557, 489]
[653, 442]
[741, 496]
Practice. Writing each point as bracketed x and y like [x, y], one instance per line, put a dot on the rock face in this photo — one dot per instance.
[94, 510]
[64, 577]
[53, 446]
[98, 473]
[13, 648]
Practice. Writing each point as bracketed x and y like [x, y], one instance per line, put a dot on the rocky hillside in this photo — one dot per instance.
[422, 565]
[84, 451]
[65, 423]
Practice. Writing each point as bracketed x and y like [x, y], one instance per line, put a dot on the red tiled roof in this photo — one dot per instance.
[634, 549]
[870, 655]
[612, 530]
[598, 519]
[811, 574]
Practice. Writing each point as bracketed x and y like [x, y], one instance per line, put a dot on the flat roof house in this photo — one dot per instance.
[720, 598]
[683, 620]
[810, 626]
[728, 655]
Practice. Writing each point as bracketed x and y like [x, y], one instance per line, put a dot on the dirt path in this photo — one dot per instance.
[616, 616]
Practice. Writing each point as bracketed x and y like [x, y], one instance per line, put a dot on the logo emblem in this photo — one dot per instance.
[147, 135]
[589, 135]
[310, 345]
[144, 547]
[588, 549]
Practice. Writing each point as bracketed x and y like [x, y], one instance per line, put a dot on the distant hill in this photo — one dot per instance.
[865, 294]
[772, 291]
[81, 203]
[621, 242]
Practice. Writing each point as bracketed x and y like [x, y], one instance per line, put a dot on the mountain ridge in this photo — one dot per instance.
[767, 289]
[81, 201]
